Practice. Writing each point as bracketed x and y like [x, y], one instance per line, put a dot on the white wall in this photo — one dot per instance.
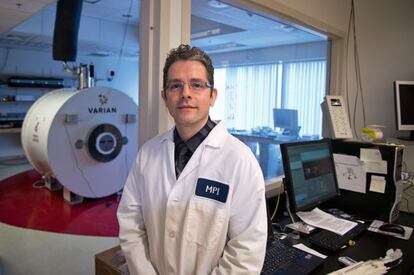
[385, 43]
[385, 36]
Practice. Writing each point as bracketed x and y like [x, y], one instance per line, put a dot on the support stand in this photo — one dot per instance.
[296, 224]
[51, 183]
[71, 198]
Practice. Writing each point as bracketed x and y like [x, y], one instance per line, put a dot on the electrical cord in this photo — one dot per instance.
[39, 184]
[359, 90]
[118, 63]
[346, 69]
[277, 205]
[6, 58]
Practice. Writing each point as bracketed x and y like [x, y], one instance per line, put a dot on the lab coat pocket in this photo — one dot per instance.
[205, 223]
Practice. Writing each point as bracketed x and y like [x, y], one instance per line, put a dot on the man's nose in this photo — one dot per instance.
[186, 92]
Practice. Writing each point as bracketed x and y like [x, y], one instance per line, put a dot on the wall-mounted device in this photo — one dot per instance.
[65, 34]
[335, 118]
[404, 111]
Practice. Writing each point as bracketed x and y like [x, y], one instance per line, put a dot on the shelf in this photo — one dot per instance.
[10, 130]
[17, 101]
[20, 101]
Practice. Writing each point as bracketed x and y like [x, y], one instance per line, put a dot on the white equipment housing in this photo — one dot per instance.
[86, 139]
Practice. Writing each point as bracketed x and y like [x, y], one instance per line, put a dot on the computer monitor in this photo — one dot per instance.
[404, 106]
[310, 177]
[286, 119]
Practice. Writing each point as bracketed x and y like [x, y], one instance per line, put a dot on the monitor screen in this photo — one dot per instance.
[310, 177]
[286, 119]
[404, 111]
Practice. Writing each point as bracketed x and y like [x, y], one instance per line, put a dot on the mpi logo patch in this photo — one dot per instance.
[212, 189]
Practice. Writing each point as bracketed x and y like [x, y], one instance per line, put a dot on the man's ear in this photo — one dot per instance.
[213, 97]
[164, 96]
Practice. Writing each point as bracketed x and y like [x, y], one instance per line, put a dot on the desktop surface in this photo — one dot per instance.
[368, 246]
[371, 245]
[309, 167]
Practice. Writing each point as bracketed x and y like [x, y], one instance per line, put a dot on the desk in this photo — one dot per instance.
[266, 149]
[371, 245]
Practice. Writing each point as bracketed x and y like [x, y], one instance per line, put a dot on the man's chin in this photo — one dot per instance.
[187, 121]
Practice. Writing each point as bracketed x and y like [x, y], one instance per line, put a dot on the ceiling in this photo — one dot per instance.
[216, 27]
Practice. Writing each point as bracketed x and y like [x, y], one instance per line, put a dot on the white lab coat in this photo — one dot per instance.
[166, 228]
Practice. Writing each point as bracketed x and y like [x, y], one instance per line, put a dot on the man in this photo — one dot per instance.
[194, 200]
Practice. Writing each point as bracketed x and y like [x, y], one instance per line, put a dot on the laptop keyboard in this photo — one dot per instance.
[279, 256]
[332, 241]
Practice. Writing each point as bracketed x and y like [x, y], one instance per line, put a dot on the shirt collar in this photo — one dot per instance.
[193, 142]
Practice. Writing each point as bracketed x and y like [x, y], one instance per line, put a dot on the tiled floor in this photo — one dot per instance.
[32, 252]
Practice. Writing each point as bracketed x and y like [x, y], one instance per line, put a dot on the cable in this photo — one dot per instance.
[6, 58]
[358, 79]
[357, 66]
[39, 184]
[277, 205]
[346, 70]
[118, 63]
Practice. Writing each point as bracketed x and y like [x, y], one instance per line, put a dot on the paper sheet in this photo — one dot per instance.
[377, 184]
[373, 161]
[321, 219]
[351, 173]
[309, 250]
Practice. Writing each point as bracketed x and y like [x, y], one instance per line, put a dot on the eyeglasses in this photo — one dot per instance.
[178, 86]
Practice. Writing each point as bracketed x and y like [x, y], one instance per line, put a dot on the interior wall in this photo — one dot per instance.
[385, 43]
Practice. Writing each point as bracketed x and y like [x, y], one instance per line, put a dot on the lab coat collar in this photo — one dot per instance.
[215, 139]
[217, 136]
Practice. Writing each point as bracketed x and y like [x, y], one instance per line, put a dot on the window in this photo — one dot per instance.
[262, 64]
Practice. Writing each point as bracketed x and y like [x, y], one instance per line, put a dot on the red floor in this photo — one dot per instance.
[24, 206]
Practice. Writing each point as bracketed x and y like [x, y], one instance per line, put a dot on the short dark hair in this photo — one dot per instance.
[186, 52]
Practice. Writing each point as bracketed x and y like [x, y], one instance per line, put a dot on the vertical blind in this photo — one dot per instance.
[251, 92]
[303, 88]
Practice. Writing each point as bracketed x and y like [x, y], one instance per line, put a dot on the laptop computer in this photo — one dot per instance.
[284, 259]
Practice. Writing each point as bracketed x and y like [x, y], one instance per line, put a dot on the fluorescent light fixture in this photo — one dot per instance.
[217, 4]
[101, 54]
[205, 33]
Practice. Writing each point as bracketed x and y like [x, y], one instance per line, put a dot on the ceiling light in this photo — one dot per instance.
[287, 28]
[217, 4]
[206, 33]
[16, 36]
[100, 54]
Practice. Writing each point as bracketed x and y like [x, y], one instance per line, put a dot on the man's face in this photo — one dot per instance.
[189, 107]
